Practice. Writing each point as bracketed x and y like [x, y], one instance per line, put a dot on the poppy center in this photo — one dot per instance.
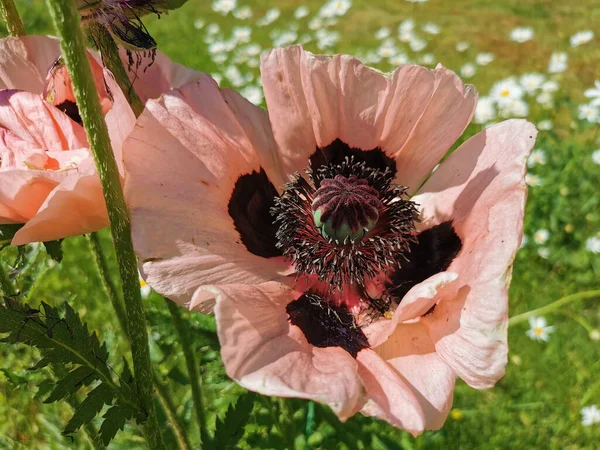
[346, 208]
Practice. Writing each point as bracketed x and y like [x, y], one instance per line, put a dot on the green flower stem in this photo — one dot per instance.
[170, 410]
[5, 284]
[67, 23]
[190, 360]
[554, 306]
[112, 60]
[14, 24]
[109, 285]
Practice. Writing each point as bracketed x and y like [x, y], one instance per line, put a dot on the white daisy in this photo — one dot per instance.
[243, 13]
[506, 90]
[485, 111]
[253, 94]
[428, 59]
[544, 125]
[483, 59]
[301, 12]
[270, 16]
[199, 24]
[550, 86]
[594, 94]
[596, 156]
[417, 44]
[539, 330]
[592, 244]
[582, 37]
[431, 28]
[224, 6]
[531, 82]
[589, 112]
[537, 156]
[462, 46]
[544, 252]
[468, 70]
[382, 33]
[521, 34]
[558, 62]
[590, 415]
[541, 236]
[533, 180]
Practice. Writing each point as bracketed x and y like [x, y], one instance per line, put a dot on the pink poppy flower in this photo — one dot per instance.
[340, 265]
[48, 178]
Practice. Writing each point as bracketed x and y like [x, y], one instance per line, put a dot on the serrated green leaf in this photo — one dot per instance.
[90, 407]
[82, 376]
[54, 249]
[114, 420]
[230, 429]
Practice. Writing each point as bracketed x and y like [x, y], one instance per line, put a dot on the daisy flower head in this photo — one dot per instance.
[521, 34]
[468, 70]
[541, 236]
[539, 329]
[594, 94]
[301, 12]
[558, 62]
[483, 59]
[596, 156]
[224, 6]
[338, 266]
[590, 415]
[581, 37]
[589, 112]
[538, 156]
[462, 46]
[592, 244]
[243, 13]
[544, 125]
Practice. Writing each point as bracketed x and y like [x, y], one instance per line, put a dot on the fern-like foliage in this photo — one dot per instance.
[67, 345]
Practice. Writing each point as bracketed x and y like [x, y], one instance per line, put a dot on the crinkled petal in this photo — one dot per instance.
[75, 206]
[22, 192]
[417, 301]
[182, 161]
[264, 353]
[446, 115]
[390, 398]
[24, 61]
[481, 189]
[413, 114]
[33, 120]
[152, 77]
[411, 352]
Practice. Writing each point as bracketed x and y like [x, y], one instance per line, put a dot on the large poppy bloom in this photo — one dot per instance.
[48, 179]
[340, 265]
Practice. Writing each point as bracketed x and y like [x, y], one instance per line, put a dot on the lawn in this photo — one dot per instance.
[538, 403]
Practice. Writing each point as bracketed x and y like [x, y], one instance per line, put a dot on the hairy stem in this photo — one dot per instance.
[67, 23]
[107, 282]
[554, 306]
[178, 428]
[112, 61]
[190, 360]
[14, 24]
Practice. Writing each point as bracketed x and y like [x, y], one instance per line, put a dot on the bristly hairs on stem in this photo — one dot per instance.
[67, 24]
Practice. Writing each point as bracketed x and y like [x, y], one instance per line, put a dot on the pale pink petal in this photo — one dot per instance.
[410, 351]
[390, 398]
[75, 206]
[33, 120]
[446, 115]
[22, 192]
[264, 353]
[481, 188]
[413, 114]
[152, 77]
[417, 301]
[182, 161]
[120, 119]
[24, 62]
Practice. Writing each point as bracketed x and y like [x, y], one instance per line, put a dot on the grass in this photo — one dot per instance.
[537, 403]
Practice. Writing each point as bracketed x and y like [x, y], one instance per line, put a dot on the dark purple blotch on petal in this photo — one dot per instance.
[249, 206]
[327, 325]
[337, 152]
[432, 252]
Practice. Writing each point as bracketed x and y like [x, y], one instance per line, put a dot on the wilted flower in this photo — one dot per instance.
[48, 178]
[330, 280]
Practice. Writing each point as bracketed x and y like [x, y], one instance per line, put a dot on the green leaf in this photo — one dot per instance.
[114, 420]
[82, 376]
[230, 429]
[54, 249]
[7, 232]
[89, 408]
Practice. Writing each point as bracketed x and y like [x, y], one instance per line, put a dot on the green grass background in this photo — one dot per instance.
[536, 405]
